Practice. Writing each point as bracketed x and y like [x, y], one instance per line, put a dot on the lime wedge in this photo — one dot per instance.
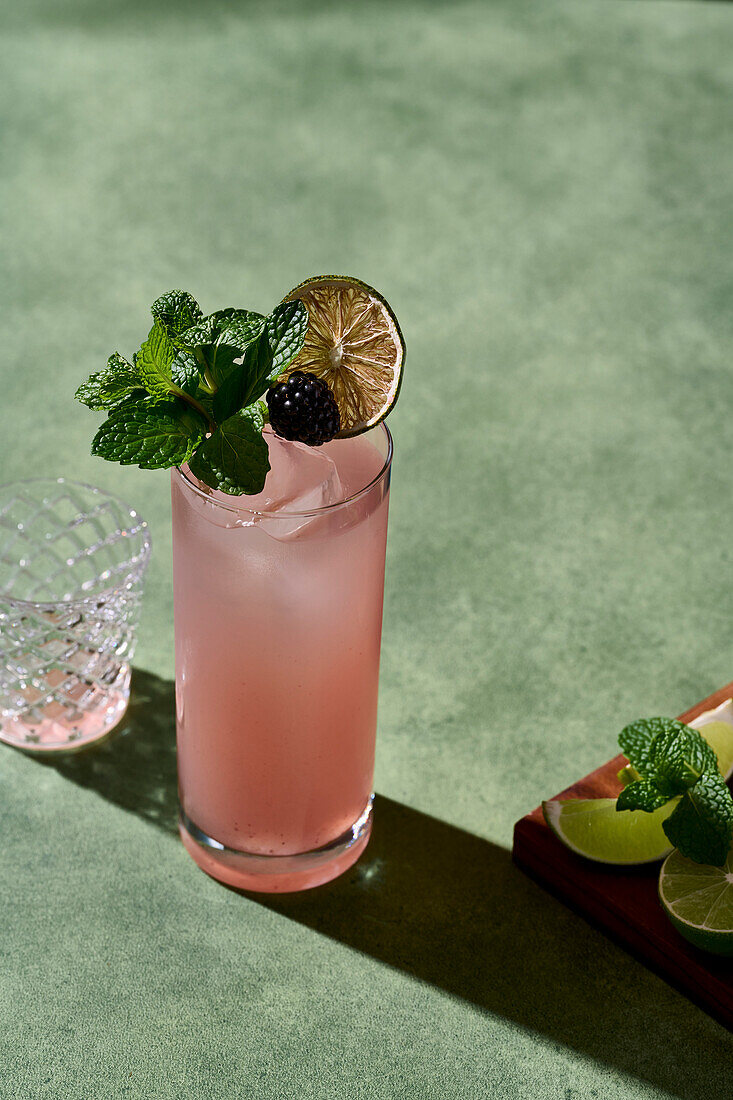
[354, 344]
[593, 828]
[719, 735]
[699, 901]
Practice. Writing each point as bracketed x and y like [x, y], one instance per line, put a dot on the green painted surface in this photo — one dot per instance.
[543, 192]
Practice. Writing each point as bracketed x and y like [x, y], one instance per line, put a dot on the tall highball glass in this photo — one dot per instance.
[278, 618]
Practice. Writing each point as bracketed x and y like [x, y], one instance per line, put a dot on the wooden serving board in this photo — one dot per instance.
[624, 903]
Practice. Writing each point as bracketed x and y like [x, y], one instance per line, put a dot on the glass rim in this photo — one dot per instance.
[135, 573]
[284, 513]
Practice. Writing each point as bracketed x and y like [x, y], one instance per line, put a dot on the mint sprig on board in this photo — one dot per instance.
[675, 763]
[191, 392]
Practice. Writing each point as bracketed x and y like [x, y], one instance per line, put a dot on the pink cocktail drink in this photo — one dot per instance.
[278, 616]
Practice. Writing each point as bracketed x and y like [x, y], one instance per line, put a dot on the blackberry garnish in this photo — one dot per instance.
[303, 409]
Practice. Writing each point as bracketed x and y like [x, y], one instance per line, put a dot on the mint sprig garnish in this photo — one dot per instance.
[191, 393]
[675, 762]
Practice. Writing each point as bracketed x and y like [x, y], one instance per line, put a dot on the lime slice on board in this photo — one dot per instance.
[698, 899]
[354, 344]
[593, 828]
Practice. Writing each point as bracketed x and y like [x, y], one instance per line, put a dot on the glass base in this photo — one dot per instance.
[67, 733]
[276, 874]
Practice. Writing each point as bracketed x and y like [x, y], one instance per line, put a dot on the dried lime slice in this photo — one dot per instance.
[354, 344]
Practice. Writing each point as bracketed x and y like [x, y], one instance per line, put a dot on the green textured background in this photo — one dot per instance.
[543, 192]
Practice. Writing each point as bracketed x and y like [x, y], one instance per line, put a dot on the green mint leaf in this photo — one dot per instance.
[702, 824]
[242, 327]
[218, 360]
[154, 360]
[221, 340]
[679, 755]
[205, 332]
[286, 328]
[185, 372]
[151, 434]
[229, 317]
[246, 381]
[234, 459]
[667, 752]
[233, 324]
[109, 386]
[641, 795]
[635, 741]
[206, 401]
[177, 311]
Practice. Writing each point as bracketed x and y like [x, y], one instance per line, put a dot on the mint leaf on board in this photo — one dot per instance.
[641, 795]
[154, 360]
[177, 311]
[286, 328]
[679, 755]
[235, 459]
[635, 740]
[701, 826]
[246, 381]
[110, 385]
[150, 434]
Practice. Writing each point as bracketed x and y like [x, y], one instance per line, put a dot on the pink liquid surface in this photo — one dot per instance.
[278, 625]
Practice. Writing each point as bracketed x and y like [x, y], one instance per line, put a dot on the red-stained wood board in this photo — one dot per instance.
[623, 903]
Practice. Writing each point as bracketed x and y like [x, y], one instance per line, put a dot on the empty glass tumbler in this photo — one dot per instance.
[72, 561]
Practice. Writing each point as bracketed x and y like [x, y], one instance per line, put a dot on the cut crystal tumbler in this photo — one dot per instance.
[72, 560]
